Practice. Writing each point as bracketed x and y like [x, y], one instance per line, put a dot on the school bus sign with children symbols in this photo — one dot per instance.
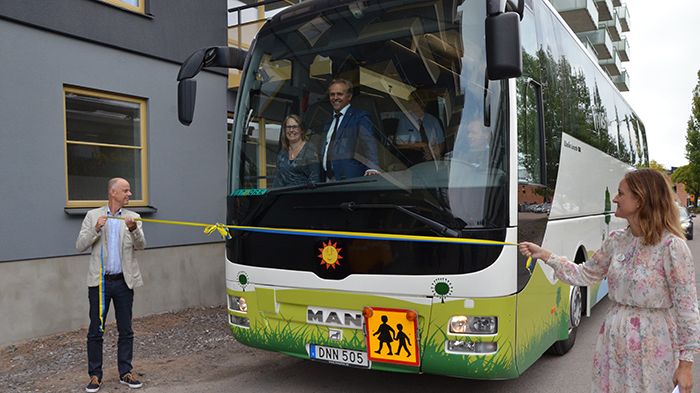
[392, 335]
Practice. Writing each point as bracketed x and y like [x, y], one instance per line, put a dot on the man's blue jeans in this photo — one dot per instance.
[118, 292]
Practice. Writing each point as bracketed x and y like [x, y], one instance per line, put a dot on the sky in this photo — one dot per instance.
[664, 41]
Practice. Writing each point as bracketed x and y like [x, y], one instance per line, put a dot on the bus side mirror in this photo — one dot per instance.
[186, 93]
[503, 54]
[216, 56]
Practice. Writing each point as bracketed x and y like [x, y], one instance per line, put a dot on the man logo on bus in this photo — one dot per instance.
[330, 255]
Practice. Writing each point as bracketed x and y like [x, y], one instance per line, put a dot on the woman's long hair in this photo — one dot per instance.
[657, 208]
[285, 141]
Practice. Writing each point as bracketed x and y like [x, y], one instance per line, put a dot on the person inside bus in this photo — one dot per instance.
[349, 146]
[419, 135]
[297, 161]
[652, 330]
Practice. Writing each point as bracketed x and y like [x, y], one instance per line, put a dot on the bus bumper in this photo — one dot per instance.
[277, 319]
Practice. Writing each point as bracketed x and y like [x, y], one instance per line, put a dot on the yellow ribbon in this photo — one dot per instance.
[208, 228]
[223, 230]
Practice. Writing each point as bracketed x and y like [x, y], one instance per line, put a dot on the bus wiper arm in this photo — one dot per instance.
[441, 229]
[314, 185]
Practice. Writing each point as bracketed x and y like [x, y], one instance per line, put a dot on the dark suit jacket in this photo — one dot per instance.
[354, 149]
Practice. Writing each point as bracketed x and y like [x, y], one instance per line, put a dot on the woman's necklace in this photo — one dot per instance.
[294, 150]
[630, 251]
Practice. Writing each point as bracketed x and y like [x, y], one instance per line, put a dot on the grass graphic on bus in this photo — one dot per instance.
[542, 318]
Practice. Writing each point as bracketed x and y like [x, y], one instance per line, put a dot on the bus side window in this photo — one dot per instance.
[529, 107]
[530, 132]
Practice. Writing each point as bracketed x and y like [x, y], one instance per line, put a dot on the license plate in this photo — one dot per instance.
[345, 357]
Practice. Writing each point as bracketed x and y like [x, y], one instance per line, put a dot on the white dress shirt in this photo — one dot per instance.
[329, 134]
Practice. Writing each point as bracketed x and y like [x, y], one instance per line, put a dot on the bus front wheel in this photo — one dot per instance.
[575, 311]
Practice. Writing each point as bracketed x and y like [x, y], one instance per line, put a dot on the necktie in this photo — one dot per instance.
[421, 130]
[329, 148]
[424, 138]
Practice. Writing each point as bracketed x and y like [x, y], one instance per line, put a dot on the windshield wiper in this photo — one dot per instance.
[272, 195]
[314, 185]
[441, 229]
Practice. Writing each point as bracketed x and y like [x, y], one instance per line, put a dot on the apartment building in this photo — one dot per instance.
[600, 25]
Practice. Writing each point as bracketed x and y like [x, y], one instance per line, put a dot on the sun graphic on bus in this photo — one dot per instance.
[330, 254]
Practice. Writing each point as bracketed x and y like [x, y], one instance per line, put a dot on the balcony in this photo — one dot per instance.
[580, 15]
[613, 26]
[244, 22]
[624, 16]
[622, 48]
[605, 9]
[616, 3]
[600, 39]
[622, 81]
[612, 66]
[589, 46]
[240, 36]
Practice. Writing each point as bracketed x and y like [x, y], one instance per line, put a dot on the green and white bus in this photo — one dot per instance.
[414, 269]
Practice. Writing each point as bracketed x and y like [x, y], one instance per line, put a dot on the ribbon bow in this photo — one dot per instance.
[221, 228]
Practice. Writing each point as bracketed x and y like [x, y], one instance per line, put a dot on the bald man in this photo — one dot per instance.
[112, 235]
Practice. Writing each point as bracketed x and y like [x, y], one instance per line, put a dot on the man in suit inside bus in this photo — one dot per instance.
[419, 135]
[350, 147]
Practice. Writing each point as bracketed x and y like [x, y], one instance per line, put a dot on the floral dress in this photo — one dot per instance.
[653, 321]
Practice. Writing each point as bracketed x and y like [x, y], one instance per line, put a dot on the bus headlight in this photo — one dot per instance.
[461, 324]
[237, 303]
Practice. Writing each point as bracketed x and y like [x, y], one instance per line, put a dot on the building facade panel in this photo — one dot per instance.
[169, 29]
[47, 296]
[186, 166]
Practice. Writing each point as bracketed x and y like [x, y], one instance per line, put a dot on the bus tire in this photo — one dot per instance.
[561, 347]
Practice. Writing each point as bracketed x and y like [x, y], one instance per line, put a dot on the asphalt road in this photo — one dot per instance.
[260, 371]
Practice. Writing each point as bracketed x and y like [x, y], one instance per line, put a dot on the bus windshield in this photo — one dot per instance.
[422, 113]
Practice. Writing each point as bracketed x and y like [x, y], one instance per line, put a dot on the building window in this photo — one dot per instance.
[131, 5]
[105, 138]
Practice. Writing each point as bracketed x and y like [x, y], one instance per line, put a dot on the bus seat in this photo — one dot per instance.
[390, 126]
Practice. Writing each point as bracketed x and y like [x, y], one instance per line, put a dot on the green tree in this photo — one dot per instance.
[692, 139]
[653, 164]
[690, 174]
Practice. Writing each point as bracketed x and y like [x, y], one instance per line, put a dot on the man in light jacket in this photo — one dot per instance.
[112, 234]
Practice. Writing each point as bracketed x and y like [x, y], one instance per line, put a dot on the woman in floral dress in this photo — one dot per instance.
[649, 337]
